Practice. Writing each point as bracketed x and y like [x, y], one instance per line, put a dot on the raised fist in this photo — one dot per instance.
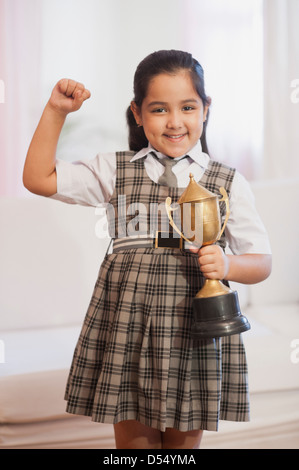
[68, 96]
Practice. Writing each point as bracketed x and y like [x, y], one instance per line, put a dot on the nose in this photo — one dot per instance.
[174, 120]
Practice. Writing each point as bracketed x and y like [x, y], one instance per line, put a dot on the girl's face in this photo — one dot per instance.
[172, 114]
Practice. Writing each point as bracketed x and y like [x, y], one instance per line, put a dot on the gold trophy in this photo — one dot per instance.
[216, 307]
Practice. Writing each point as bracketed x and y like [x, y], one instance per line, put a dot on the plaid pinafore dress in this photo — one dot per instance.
[135, 358]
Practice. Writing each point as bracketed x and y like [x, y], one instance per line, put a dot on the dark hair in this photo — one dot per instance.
[154, 64]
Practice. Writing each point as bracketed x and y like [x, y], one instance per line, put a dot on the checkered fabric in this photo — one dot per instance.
[135, 358]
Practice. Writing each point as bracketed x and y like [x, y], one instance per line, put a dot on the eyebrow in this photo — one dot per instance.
[163, 103]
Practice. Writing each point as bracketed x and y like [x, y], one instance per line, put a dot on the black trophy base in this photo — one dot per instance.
[218, 316]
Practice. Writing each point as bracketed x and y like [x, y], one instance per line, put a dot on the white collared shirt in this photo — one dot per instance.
[92, 183]
[196, 163]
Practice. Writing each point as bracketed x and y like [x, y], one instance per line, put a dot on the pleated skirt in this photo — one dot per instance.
[135, 357]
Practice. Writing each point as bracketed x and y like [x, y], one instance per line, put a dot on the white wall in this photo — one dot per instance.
[101, 42]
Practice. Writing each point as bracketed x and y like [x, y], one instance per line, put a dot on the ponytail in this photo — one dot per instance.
[137, 138]
[203, 138]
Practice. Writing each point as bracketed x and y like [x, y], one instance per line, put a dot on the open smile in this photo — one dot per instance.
[174, 138]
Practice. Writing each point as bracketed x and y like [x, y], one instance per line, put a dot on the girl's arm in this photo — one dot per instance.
[246, 269]
[39, 175]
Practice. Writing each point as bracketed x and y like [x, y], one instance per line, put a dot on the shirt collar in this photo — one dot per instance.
[196, 154]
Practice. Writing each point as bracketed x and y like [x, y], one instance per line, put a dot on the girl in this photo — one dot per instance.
[135, 364]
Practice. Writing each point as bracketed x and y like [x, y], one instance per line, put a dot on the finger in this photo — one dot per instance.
[206, 259]
[194, 249]
[73, 87]
[211, 275]
[81, 92]
[78, 87]
[207, 268]
[80, 96]
[70, 88]
[67, 86]
[86, 94]
[63, 84]
[209, 249]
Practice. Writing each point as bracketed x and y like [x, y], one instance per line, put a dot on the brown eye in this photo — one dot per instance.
[159, 110]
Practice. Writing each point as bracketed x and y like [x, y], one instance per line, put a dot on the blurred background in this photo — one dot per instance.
[248, 49]
[49, 252]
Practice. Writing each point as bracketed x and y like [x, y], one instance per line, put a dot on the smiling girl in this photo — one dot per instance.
[172, 113]
[135, 364]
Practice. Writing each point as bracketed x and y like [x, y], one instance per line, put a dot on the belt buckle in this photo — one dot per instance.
[168, 242]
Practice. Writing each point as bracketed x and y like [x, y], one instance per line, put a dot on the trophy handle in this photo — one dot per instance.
[171, 221]
[225, 199]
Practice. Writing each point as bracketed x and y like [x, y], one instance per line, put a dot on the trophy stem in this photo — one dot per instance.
[212, 288]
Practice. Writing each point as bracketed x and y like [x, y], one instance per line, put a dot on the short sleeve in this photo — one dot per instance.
[88, 183]
[245, 230]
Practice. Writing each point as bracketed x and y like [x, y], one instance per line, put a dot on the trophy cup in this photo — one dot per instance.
[216, 310]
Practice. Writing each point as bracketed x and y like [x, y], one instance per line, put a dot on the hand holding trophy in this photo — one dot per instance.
[216, 307]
